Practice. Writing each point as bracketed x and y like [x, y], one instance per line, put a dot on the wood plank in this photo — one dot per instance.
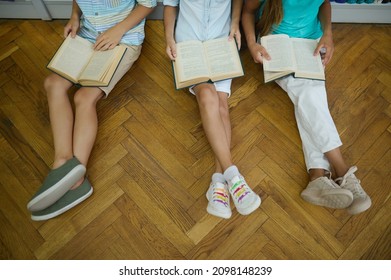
[232, 231]
[12, 242]
[77, 244]
[381, 249]
[369, 235]
[137, 229]
[7, 50]
[98, 246]
[167, 226]
[153, 176]
[164, 127]
[153, 146]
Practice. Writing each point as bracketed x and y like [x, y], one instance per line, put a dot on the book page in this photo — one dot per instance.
[72, 57]
[223, 57]
[273, 75]
[98, 65]
[190, 62]
[279, 48]
[306, 62]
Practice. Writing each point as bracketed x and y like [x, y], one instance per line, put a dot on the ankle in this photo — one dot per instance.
[59, 161]
[341, 172]
[316, 173]
[231, 172]
[218, 177]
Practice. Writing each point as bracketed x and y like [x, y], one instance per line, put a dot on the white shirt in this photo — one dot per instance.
[201, 19]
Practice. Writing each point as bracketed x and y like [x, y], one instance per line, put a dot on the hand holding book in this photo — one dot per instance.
[291, 56]
[77, 61]
[198, 62]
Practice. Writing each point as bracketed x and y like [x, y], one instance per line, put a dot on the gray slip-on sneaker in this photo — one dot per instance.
[68, 201]
[56, 184]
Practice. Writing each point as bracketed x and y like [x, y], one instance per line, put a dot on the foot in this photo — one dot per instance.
[66, 202]
[246, 201]
[361, 201]
[56, 184]
[325, 192]
[218, 198]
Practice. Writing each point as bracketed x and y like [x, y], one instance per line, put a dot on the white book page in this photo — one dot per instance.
[190, 61]
[98, 65]
[222, 56]
[306, 62]
[73, 55]
[280, 50]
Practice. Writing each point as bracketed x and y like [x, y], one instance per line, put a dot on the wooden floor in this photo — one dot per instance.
[152, 164]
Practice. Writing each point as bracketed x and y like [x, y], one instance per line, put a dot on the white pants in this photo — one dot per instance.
[316, 126]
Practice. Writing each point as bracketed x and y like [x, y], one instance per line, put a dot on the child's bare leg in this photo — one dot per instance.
[86, 124]
[215, 119]
[213, 124]
[61, 117]
[66, 170]
[337, 162]
[224, 114]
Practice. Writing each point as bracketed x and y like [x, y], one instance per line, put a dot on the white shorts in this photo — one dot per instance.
[223, 86]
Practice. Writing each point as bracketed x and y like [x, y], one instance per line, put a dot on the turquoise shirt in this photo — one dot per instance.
[300, 19]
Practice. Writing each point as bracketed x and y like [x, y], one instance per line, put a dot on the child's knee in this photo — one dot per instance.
[87, 96]
[54, 81]
[207, 97]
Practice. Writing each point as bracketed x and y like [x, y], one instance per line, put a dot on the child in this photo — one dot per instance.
[320, 139]
[106, 24]
[205, 20]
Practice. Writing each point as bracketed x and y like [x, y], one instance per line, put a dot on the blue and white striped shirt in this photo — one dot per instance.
[100, 15]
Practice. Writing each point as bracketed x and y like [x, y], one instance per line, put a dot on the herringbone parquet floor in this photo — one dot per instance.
[151, 164]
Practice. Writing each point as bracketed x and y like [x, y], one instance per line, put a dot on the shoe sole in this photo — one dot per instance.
[361, 207]
[217, 213]
[213, 211]
[251, 208]
[66, 208]
[54, 193]
[335, 198]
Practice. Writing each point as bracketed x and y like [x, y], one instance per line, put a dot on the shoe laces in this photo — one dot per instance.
[350, 182]
[326, 183]
[220, 193]
[239, 189]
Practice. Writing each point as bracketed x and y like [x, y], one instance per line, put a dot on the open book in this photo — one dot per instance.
[291, 56]
[198, 62]
[77, 61]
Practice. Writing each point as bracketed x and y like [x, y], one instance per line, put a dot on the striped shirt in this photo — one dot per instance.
[100, 15]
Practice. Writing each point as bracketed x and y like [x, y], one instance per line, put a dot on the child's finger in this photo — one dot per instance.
[238, 38]
[319, 49]
[265, 54]
[73, 33]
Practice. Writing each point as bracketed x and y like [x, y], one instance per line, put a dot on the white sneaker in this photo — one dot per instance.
[218, 198]
[361, 201]
[325, 192]
[246, 201]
